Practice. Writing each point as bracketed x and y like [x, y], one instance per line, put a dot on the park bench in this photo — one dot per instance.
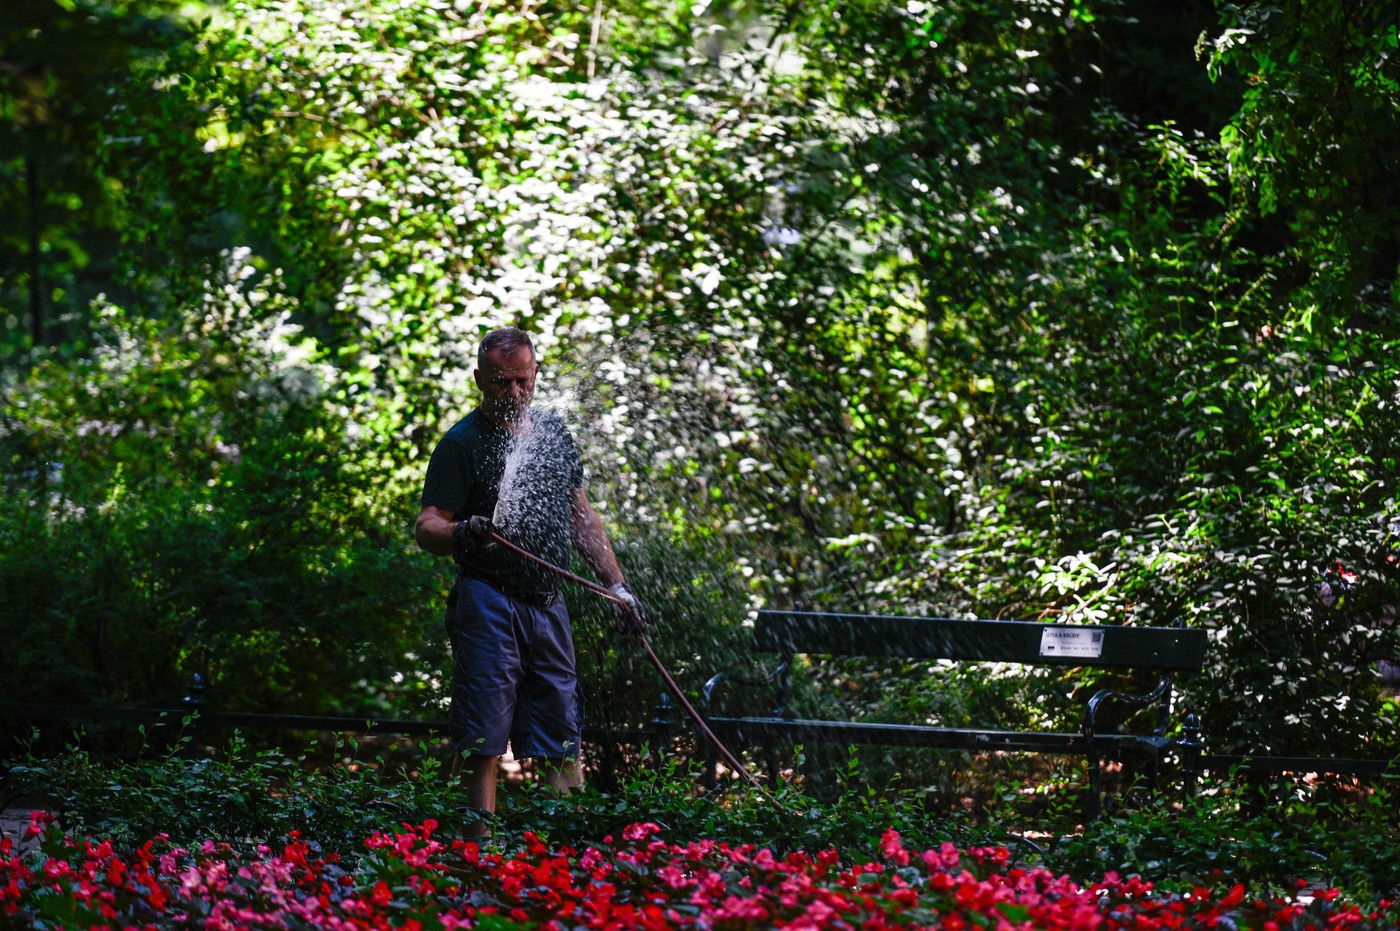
[1164, 650]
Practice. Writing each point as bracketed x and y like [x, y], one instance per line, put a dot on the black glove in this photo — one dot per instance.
[472, 536]
[628, 610]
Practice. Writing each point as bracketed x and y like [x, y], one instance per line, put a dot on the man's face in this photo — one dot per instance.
[507, 382]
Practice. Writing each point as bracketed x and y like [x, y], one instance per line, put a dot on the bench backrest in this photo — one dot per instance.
[1167, 648]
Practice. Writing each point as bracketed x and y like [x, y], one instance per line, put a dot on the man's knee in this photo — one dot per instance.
[474, 764]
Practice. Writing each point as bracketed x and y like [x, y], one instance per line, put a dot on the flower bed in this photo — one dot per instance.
[410, 879]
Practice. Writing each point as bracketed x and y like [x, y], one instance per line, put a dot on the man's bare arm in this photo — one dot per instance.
[592, 541]
[433, 531]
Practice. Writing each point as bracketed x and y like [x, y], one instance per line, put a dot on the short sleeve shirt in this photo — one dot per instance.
[524, 482]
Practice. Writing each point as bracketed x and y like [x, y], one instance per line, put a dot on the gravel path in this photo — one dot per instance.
[13, 821]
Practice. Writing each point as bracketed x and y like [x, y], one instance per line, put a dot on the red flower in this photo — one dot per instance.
[893, 849]
[38, 820]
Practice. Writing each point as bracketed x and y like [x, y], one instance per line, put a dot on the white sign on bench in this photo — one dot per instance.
[1070, 641]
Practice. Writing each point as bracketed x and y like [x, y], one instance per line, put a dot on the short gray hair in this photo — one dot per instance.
[508, 338]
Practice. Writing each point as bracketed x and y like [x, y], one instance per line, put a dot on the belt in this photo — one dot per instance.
[533, 599]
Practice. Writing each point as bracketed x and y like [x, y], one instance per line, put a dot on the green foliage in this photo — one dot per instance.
[1265, 837]
[242, 796]
[664, 792]
[1315, 139]
[78, 124]
[247, 797]
[698, 626]
[180, 503]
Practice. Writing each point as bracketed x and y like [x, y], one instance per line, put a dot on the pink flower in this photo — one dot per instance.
[737, 909]
[945, 857]
[892, 848]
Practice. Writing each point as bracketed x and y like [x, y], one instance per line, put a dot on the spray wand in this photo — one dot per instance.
[665, 674]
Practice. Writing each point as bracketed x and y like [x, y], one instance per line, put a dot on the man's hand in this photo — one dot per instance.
[628, 609]
[473, 536]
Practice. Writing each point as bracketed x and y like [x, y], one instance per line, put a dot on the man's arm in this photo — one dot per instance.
[433, 531]
[591, 540]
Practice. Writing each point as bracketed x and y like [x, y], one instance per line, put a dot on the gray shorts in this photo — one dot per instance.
[513, 675]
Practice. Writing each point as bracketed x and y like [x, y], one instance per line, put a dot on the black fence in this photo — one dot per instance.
[195, 718]
[659, 734]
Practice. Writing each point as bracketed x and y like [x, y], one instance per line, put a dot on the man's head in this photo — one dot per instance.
[505, 373]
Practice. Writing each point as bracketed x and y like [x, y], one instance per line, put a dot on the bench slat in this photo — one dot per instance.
[1164, 648]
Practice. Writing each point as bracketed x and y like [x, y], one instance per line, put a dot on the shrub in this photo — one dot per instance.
[181, 500]
[1264, 836]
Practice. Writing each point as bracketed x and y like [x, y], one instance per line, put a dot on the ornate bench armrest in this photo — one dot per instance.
[1160, 696]
[778, 676]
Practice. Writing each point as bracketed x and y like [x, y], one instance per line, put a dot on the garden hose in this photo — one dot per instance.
[661, 669]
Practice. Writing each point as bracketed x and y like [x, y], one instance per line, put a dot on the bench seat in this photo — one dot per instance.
[756, 730]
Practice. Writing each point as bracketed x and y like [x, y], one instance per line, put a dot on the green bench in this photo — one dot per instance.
[1163, 650]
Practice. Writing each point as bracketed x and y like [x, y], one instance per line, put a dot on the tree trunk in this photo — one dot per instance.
[36, 299]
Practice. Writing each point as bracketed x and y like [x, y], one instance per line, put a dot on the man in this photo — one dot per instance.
[513, 675]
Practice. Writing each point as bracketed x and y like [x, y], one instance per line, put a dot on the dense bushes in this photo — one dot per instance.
[179, 501]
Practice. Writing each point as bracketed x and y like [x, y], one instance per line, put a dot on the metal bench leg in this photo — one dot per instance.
[661, 725]
[1095, 806]
[1191, 748]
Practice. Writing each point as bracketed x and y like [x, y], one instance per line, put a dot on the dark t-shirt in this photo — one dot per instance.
[533, 508]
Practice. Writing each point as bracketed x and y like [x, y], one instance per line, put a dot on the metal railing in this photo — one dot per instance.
[194, 715]
[1195, 762]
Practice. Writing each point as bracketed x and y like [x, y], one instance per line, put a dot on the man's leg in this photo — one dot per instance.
[485, 670]
[479, 779]
[560, 775]
[477, 774]
[548, 720]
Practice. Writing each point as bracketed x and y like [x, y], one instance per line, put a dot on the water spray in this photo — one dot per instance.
[665, 674]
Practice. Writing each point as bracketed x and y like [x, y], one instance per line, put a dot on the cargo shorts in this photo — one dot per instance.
[513, 674]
